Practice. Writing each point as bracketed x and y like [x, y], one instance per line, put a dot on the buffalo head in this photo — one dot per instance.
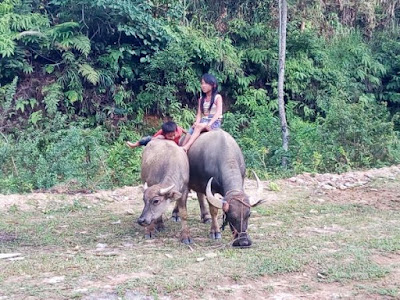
[156, 200]
[236, 205]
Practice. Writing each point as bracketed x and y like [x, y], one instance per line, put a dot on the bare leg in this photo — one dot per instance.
[132, 145]
[195, 135]
[186, 139]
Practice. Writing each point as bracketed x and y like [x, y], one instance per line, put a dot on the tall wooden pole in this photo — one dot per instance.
[281, 79]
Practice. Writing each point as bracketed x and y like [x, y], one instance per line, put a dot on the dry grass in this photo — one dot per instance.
[305, 245]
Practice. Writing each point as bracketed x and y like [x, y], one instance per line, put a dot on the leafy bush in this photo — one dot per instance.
[78, 78]
[42, 159]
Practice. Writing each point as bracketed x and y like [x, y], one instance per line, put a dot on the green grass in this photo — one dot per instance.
[294, 236]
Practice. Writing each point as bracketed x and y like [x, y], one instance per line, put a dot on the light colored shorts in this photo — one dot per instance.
[215, 125]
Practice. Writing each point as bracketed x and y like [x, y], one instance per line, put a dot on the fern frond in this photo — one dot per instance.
[53, 95]
[6, 8]
[9, 94]
[244, 81]
[32, 21]
[256, 55]
[7, 45]
[70, 79]
[63, 31]
[68, 57]
[106, 78]
[27, 68]
[80, 43]
[89, 73]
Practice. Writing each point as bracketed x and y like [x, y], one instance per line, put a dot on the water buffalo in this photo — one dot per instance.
[165, 174]
[217, 165]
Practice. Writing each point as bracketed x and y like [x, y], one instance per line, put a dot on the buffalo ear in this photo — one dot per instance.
[175, 195]
[144, 186]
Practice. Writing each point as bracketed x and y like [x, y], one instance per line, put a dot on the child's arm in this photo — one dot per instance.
[198, 115]
[158, 133]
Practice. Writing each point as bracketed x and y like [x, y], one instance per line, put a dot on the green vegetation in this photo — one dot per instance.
[78, 78]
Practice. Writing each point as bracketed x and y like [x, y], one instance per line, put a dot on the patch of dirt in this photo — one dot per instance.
[351, 187]
[116, 200]
[7, 237]
[346, 180]
[380, 199]
[112, 281]
[358, 187]
[283, 287]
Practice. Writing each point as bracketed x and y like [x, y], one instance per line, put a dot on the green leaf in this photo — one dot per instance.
[32, 102]
[72, 96]
[35, 117]
[20, 105]
[49, 69]
[89, 73]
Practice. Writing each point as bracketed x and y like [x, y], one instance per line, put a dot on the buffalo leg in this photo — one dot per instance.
[175, 213]
[205, 215]
[159, 224]
[156, 225]
[185, 233]
[215, 234]
[150, 231]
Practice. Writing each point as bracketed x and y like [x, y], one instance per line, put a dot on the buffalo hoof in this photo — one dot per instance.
[149, 236]
[187, 241]
[215, 235]
[206, 219]
[175, 217]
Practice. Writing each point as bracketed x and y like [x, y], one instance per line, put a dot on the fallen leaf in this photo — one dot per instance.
[9, 255]
[200, 259]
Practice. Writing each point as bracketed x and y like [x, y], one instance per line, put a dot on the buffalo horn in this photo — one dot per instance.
[211, 198]
[162, 192]
[256, 200]
[145, 186]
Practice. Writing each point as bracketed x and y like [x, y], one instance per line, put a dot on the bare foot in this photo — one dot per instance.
[131, 145]
[184, 149]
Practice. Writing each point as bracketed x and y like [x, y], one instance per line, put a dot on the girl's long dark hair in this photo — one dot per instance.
[211, 80]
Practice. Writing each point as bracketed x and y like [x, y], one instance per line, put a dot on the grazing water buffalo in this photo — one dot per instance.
[165, 173]
[217, 165]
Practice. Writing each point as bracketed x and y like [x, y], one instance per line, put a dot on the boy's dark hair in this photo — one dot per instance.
[168, 127]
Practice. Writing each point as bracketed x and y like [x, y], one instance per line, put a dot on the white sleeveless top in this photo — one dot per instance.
[206, 107]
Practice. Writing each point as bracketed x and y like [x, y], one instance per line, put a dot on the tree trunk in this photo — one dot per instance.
[281, 79]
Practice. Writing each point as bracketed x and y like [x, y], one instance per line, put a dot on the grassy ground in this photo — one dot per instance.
[331, 245]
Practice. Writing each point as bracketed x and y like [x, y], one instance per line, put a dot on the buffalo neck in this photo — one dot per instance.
[232, 181]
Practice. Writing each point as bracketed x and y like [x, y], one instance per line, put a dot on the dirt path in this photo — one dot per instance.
[321, 184]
